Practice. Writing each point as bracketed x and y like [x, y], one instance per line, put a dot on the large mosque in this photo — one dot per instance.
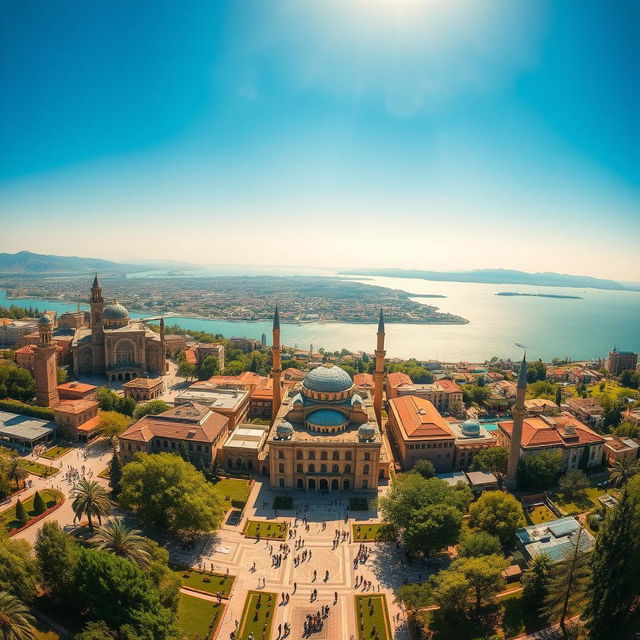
[326, 433]
[114, 345]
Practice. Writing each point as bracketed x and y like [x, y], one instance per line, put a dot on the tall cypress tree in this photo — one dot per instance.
[115, 474]
[611, 587]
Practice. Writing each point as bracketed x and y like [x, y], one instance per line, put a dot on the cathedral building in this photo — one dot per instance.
[116, 346]
[326, 434]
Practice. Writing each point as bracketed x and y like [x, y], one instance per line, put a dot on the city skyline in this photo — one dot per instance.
[412, 134]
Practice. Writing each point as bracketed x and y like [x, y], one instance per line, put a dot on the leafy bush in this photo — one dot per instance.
[15, 406]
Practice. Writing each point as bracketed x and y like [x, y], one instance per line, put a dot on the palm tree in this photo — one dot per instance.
[623, 470]
[90, 499]
[16, 623]
[14, 470]
[117, 538]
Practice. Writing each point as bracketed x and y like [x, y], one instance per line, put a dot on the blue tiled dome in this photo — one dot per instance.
[115, 311]
[328, 378]
[326, 418]
[284, 430]
[471, 428]
[366, 431]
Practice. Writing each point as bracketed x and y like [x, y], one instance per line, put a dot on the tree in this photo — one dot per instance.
[90, 499]
[433, 529]
[536, 371]
[126, 406]
[573, 483]
[13, 469]
[484, 575]
[20, 384]
[611, 589]
[154, 407]
[414, 596]
[61, 375]
[473, 394]
[450, 591]
[21, 513]
[116, 591]
[57, 556]
[16, 623]
[186, 370]
[479, 544]
[209, 367]
[622, 471]
[497, 513]
[38, 504]
[107, 399]
[116, 538]
[559, 395]
[425, 468]
[629, 378]
[534, 581]
[96, 631]
[183, 452]
[18, 574]
[494, 460]
[167, 491]
[567, 583]
[540, 470]
[111, 424]
[115, 474]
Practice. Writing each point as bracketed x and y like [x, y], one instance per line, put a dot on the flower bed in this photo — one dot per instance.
[257, 615]
[265, 530]
[374, 532]
[373, 617]
[52, 499]
[198, 618]
[205, 581]
[37, 469]
[56, 452]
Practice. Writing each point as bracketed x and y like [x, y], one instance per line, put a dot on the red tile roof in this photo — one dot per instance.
[80, 387]
[449, 386]
[75, 406]
[564, 430]
[89, 425]
[397, 378]
[418, 418]
[363, 380]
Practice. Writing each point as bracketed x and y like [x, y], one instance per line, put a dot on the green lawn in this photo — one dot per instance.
[257, 615]
[539, 513]
[372, 613]
[207, 581]
[37, 469]
[195, 616]
[375, 532]
[8, 516]
[56, 452]
[358, 504]
[268, 530]
[234, 491]
[580, 505]
[283, 502]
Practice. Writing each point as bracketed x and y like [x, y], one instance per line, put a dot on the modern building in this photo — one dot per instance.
[420, 433]
[12, 331]
[24, 432]
[242, 449]
[325, 435]
[143, 389]
[205, 349]
[554, 538]
[174, 342]
[192, 427]
[116, 346]
[619, 361]
[233, 403]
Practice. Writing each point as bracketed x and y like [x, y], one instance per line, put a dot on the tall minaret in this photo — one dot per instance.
[276, 369]
[519, 413]
[378, 376]
[162, 365]
[97, 335]
[45, 366]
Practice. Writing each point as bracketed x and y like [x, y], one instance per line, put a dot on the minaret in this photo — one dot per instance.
[97, 335]
[45, 366]
[276, 369]
[162, 365]
[519, 413]
[378, 376]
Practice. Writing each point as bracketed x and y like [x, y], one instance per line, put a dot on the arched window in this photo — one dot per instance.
[312, 468]
[324, 455]
[335, 468]
[281, 467]
[347, 468]
[124, 352]
[336, 455]
[347, 455]
[365, 469]
[312, 455]
[323, 468]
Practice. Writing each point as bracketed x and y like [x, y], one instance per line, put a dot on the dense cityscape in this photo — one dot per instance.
[248, 491]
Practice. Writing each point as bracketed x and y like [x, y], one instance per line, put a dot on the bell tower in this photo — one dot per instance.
[276, 369]
[378, 376]
[45, 366]
[97, 334]
[519, 411]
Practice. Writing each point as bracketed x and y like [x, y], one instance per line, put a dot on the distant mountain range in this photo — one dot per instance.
[501, 276]
[25, 262]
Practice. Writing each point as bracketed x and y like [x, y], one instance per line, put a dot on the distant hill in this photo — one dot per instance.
[500, 276]
[25, 262]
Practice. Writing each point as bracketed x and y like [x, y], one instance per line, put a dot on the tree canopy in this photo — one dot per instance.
[497, 513]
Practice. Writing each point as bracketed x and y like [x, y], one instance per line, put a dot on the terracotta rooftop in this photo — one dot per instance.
[80, 387]
[363, 380]
[448, 386]
[89, 425]
[75, 406]
[397, 378]
[565, 430]
[418, 418]
[142, 383]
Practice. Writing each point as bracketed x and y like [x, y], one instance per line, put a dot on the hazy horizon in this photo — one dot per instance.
[413, 134]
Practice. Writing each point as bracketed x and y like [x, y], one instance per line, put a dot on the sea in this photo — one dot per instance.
[579, 328]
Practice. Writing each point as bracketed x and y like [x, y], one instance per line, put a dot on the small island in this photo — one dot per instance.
[538, 295]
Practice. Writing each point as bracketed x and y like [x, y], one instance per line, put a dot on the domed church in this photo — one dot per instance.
[325, 434]
[115, 346]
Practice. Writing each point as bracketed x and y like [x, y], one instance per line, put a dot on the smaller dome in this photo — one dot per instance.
[326, 418]
[328, 378]
[297, 399]
[366, 431]
[471, 428]
[284, 431]
[44, 319]
[115, 311]
[356, 399]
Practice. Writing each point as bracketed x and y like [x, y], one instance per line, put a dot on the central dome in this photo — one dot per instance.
[115, 311]
[328, 378]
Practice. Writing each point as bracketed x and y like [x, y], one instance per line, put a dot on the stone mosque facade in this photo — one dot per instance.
[116, 346]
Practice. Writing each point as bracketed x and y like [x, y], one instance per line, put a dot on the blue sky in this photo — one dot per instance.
[412, 133]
